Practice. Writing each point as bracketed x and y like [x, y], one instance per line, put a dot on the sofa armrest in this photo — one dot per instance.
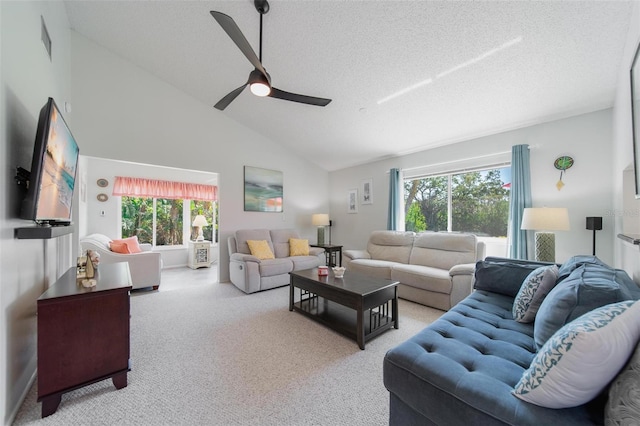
[356, 254]
[462, 269]
[241, 257]
[315, 251]
[145, 246]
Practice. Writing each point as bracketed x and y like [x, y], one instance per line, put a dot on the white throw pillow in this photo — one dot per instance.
[533, 291]
[581, 358]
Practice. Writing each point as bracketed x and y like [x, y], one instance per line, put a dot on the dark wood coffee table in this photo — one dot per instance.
[357, 306]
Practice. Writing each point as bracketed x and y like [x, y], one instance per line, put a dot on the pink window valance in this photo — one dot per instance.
[151, 188]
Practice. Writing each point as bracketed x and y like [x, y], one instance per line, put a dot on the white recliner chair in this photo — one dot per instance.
[145, 267]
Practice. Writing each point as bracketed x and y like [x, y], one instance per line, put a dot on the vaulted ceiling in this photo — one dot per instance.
[403, 76]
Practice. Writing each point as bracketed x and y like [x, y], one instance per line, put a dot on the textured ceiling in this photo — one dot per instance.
[403, 75]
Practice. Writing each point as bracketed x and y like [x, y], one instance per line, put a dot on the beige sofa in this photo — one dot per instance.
[251, 274]
[435, 269]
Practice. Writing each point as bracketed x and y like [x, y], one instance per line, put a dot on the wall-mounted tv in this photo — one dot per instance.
[53, 170]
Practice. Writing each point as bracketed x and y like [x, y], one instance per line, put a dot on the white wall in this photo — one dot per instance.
[587, 138]
[27, 79]
[626, 211]
[122, 112]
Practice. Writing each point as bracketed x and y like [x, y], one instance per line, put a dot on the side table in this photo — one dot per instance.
[333, 253]
[199, 254]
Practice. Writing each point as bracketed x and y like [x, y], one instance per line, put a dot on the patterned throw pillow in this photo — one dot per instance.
[623, 405]
[533, 291]
[581, 358]
[260, 249]
[298, 247]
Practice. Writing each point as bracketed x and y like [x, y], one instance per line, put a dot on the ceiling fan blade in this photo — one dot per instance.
[303, 99]
[231, 28]
[224, 102]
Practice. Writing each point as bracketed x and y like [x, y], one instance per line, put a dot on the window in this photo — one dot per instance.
[475, 202]
[161, 212]
[161, 222]
[208, 209]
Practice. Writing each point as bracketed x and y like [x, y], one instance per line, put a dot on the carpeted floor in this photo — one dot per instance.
[208, 354]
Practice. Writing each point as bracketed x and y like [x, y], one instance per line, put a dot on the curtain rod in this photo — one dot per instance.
[456, 161]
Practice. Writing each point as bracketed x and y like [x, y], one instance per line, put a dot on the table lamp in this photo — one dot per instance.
[200, 221]
[320, 220]
[543, 220]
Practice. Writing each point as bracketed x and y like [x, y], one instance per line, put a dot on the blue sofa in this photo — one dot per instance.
[461, 369]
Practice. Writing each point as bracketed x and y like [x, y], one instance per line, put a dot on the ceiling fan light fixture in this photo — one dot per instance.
[259, 84]
[260, 89]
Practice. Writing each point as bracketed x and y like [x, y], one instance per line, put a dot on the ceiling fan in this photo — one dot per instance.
[259, 79]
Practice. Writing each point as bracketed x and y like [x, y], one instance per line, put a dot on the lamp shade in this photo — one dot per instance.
[320, 219]
[200, 221]
[545, 219]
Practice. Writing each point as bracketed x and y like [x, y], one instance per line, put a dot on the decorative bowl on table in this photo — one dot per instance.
[338, 271]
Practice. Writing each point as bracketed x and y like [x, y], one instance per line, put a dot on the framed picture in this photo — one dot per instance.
[352, 201]
[263, 190]
[635, 116]
[367, 191]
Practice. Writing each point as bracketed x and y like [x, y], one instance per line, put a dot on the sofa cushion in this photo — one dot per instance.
[422, 277]
[242, 235]
[392, 246]
[272, 267]
[260, 249]
[590, 286]
[581, 358]
[280, 240]
[304, 262]
[373, 268]
[533, 291]
[443, 249]
[502, 276]
[623, 405]
[298, 247]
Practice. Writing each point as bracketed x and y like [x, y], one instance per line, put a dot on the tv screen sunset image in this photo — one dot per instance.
[58, 171]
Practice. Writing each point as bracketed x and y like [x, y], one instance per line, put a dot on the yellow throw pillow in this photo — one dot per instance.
[260, 249]
[298, 247]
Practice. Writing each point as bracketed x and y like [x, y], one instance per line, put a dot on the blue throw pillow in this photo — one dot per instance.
[577, 261]
[502, 276]
[588, 287]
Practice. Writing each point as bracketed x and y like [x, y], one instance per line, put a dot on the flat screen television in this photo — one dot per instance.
[53, 170]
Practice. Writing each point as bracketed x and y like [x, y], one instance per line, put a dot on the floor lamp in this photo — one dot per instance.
[595, 224]
[543, 220]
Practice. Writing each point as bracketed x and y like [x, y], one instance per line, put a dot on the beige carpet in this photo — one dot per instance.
[209, 354]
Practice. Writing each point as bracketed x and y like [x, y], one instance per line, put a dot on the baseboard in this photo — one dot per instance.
[25, 392]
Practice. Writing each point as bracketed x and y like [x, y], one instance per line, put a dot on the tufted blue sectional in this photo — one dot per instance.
[461, 369]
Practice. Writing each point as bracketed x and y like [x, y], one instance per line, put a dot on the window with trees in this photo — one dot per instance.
[161, 212]
[162, 222]
[475, 202]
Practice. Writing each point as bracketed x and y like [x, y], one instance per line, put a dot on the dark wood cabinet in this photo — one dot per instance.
[83, 333]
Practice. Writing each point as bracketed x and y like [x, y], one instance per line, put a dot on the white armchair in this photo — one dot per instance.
[145, 267]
